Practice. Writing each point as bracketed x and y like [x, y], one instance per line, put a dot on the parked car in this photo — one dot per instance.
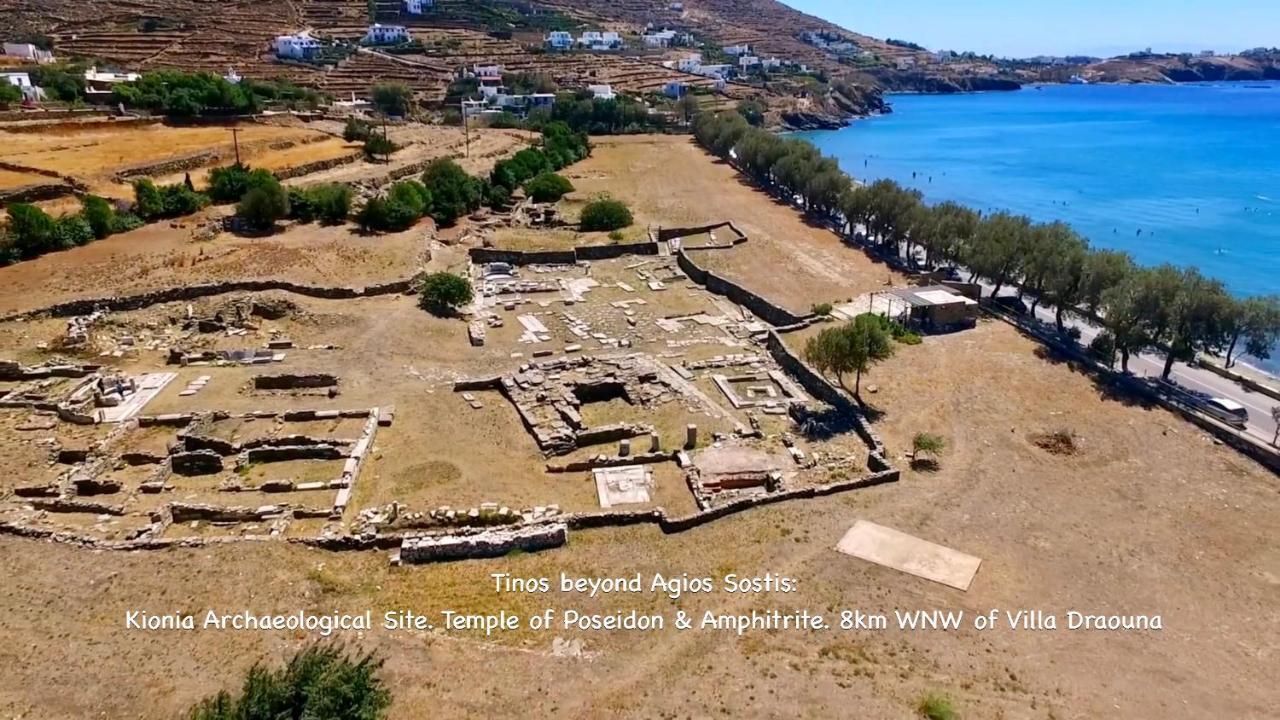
[1011, 303]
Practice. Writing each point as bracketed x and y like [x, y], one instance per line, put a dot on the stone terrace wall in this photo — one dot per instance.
[562, 257]
[817, 385]
[665, 234]
[317, 166]
[489, 544]
[765, 309]
[192, 292]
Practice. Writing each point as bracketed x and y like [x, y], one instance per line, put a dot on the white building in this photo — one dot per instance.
[596, 40]
[378, 34]
[100, 82]
[602, 92]
[772, 63]
[27, 51]
[22, 81]
[232, 76]
[715, 71]
[559, 40]
[416, 7]
[689, 63]
[675, 90]
[297, 47]
[746, 62]
[737, 50]
[486, 72]
[664, 38]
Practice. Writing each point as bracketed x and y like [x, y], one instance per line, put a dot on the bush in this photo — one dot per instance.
[392, 98]
[616, 235]
[356, 130]
[263, 205]
[1103, 347]
[454, 193]
[413, 195]
[300, 206]
[99, 214]
[30, 231]
[383, 215]
[71, 231]
[548, 187]
[605, 214]
[124, 222]
[147, 202]
[9, 94]
[936, 707]
[153, 203]
[823, 309]
[332, 203]
[319, 683]
[496, 196]
[228, 184]
[377, 145]
[443, 293]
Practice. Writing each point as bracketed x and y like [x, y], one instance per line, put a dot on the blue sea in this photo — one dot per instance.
[1186, 174]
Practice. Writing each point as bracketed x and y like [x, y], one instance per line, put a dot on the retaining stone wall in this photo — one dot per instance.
[768, 311]
[561, 257]
[495, 543]
[193, 292]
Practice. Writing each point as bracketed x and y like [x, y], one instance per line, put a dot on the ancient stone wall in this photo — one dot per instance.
[767, 310]
[193, 292]
[486, 544]
[317, 166]
[562, 257]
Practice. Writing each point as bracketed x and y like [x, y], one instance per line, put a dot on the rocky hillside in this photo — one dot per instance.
[193, 34]
[1254, 65]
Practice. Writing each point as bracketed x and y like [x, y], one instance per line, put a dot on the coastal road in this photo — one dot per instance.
[1151, 364]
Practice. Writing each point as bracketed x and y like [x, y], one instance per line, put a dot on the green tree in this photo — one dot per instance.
[356, 130]
[332, 202]
[147, 201]
[377, 145]
[752, 111]
[263, 204]
[454, 193]
[604, 214]
[31, 230]
[850, 348]
[9, 94]
[99, 214]
[444, 293]
[228, 184]
[999, 248]
[375, 216]
[1193, 316]
[1256, 320]
[413, 195]
[318, 683]
[392, 98]
[1053, 250]
[548, 187]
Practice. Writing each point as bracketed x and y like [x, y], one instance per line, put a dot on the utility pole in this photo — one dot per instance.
[466, 129]
[235, 139]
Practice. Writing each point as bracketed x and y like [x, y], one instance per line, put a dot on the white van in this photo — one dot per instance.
[1228, 411]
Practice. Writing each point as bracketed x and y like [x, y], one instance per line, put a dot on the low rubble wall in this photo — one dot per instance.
[761, 307]
[486, 544]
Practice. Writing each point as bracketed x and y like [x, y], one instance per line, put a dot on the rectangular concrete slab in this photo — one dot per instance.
[900, 551]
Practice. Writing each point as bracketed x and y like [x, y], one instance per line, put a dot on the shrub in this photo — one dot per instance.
[263, 205]
[548, 187]
[413, 195]
[376, 145]
[300, 206]
[99, 214]
[178, 200]
[71, 231]
[453, 192]
[497, 196]
[356, 130]
[443, 293]
[30, 230]
[823, 309]
[373, 216]
[228, 184]
[319, 683]
[332, 202]
[392, 98]
[1103, 347]
[124, 222]
[9, 94]
[147, 201]
[936, 707]
[605, 214]
[616, 235]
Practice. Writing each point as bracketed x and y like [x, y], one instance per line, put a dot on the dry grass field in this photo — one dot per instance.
[1073, 501]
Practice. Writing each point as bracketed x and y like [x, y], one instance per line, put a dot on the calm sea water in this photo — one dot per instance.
[1187, 174]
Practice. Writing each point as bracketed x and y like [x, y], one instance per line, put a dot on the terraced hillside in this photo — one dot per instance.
[456, 33]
